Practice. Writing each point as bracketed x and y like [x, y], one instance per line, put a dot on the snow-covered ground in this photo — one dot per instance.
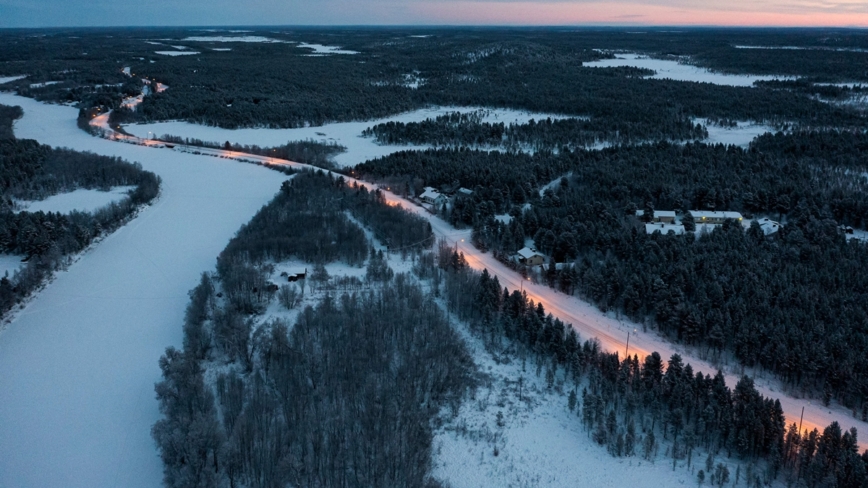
[232, 39]
[612, 331]
[321, 49]
[742, 135]
[859, 234]
[9, 264]
[8, 79]
[806, 48]
[44, 84]
[540, 443]
[666, 69]
[82, 200]
[844, 85]
[177, 53]
[348, 134]
[79, 362]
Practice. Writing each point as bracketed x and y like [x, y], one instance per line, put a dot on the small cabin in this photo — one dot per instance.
[530, 257]
[660, 216]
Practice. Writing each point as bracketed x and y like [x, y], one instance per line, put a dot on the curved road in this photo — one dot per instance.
[587, 320]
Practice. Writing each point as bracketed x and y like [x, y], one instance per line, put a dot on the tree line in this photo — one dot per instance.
[636, 406]
[310, 152]
[467, 129]
[309, 219]
[734, 290]
[29, 170]
[343, 395]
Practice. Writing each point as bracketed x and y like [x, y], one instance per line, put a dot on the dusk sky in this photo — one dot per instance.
[50, 13]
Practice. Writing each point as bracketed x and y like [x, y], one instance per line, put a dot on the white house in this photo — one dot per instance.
[530, 256]
[711, 217]
[769, 226]
[433, 197]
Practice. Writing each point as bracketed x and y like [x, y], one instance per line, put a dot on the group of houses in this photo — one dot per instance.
[665, 221]
[436, 199]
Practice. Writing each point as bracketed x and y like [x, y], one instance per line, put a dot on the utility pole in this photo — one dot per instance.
[627, 350]
[800, 419]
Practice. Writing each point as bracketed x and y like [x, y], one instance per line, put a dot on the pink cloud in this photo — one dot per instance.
[564, 13]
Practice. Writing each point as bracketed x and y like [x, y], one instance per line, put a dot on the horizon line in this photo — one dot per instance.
[451, 26]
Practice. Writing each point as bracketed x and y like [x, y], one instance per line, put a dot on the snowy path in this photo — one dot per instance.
[78, 364]
[612, 333]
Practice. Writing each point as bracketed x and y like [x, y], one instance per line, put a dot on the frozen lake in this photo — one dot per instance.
[79, 362]
[673, 70]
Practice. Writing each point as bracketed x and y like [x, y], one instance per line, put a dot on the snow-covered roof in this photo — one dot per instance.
[769, 226]
[664, 228]
[658, 213]
[430, 194]
[465, 191]
[700, 214]
[528, 252]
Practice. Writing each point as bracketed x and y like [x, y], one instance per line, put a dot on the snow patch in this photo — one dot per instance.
[81, 200]
[260, 39]
[9, 264]
[321, 49]
[44, 84]
[539, 441]
[9, 79]
[177, 53]
[741, 135]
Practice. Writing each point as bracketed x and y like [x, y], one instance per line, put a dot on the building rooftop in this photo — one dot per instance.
[664, 228]
[658, 213]
[528, 252]
[699, 214]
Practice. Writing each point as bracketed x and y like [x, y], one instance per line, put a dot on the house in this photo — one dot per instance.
[530, 256]
[665, 216]
[465, 192]
[433, 197]
[711, 217]
[664, 228]
[769, 226]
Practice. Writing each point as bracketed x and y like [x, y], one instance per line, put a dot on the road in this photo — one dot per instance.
[586, 319]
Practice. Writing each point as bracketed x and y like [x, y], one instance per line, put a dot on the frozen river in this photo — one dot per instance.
[80, 361]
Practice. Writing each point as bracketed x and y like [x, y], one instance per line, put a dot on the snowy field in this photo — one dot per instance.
[79, 362]
[348, 134]
[742, 135]
[81, 200]
[321, 49]
[7, 79]
[9, 264]
[177, 53]
[540, 443]
[232, 39]
[666, 69]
